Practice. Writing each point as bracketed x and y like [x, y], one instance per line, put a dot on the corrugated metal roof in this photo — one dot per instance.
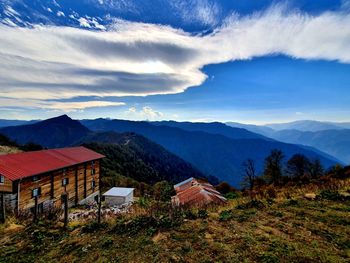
[183, 182]
[196, 193]
[118, 191]
[21, 165]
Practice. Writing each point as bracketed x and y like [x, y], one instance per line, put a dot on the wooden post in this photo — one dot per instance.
[85, 167]
[52, 190]
[35, 217]
[65, 204]
[99, 209]
[76, 186]
[2, 209]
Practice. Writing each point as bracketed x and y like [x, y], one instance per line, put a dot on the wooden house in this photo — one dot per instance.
[43, 177]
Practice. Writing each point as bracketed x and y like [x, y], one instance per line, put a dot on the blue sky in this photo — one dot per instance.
[199, 60]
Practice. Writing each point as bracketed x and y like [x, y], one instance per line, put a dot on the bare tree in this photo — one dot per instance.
[249, 174]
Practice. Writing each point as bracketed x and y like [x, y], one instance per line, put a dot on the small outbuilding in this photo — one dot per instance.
[118, 196]
[196, 192]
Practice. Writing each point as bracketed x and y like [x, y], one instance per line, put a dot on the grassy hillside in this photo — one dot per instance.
[284, 227]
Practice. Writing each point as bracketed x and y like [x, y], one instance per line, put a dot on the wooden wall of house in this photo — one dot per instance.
[6, 187]
[75, 174]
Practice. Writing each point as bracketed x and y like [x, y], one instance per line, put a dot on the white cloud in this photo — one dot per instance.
[132, 110]
[70, 106]
[149, 113]
[205, 12]
[146, 113]
[83, 22]
[137, 59]
[60, 13]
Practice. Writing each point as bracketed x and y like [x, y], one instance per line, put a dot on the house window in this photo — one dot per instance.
[2, 179]
[36, 192]
[36, 178]
[64, 172]
[93, 185]
[65, 181]
[92, 164]
[93, 171]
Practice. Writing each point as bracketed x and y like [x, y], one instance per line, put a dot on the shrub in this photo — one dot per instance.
[107, 242]
[291, 202]
[226, 215]
[231, 195]
[331, 195]
[252, 204]
[271, 192]
[202, 213]
[150, 222]
[143, 202]
[93, 227]
[189, 214]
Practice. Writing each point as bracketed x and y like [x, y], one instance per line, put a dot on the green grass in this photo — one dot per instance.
[294, 230]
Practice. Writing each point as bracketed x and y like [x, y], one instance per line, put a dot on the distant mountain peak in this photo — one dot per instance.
[55, 132]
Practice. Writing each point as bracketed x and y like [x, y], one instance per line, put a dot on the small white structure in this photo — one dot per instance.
[118, 196]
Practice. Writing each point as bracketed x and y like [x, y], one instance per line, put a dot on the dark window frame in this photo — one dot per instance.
[38, 194]
[65, 181]
[2, 179]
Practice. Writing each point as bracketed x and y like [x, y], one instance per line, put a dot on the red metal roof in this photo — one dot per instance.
[21, 165]
[196, 193]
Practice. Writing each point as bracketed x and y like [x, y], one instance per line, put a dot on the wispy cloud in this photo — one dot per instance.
[60, 106]
[137, 59]
[205, 12]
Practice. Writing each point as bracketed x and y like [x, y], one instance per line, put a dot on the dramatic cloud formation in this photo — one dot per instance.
[137, 59]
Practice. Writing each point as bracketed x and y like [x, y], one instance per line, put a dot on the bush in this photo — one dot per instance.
[93, 227]
[202, 213]
[231, 195]
[331, 195]
[271, 192]
[252, 204]
[291, 202]
[226, 215]
[150, 223]
[143, 202]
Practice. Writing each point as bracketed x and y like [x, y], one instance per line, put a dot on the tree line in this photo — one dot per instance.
[277, 171]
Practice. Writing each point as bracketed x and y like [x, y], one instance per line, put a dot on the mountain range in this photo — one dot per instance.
[309, 125]
[215, 149]
[330, 137]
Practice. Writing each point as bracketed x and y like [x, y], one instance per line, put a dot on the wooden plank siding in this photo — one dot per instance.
[6, 187]
[52, 187]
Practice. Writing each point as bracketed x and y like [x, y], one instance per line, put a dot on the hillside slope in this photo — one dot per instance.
[282, 230]
[134, 156]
